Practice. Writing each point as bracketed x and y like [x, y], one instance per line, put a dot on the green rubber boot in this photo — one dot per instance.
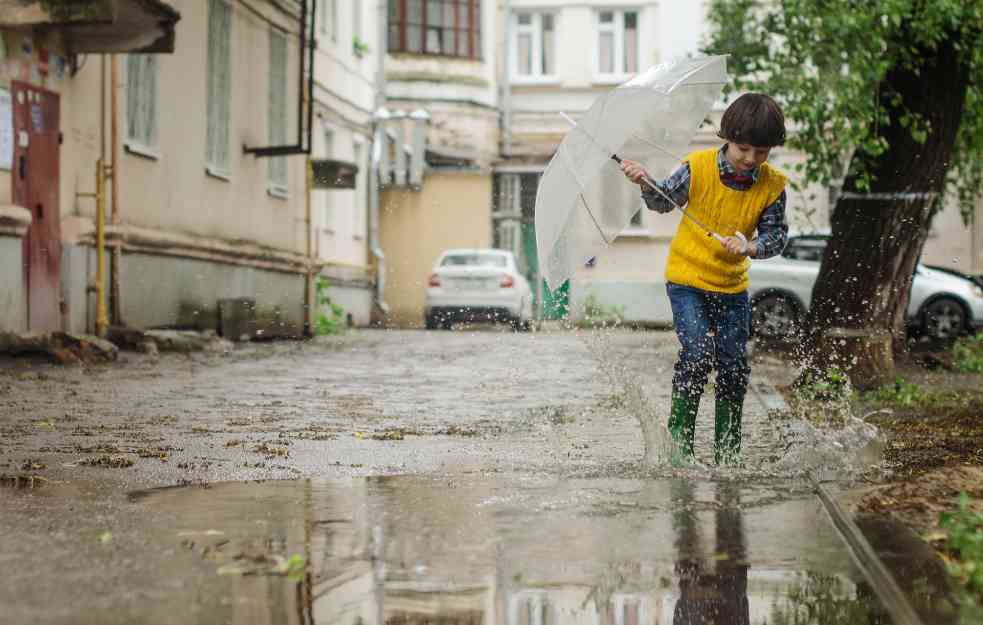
[682, 427]
[727, 431]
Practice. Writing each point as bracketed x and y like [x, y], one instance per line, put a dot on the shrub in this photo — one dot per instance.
[967, 354]
[330, 317]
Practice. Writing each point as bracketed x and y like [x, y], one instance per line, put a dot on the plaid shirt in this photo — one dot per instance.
[772, 227]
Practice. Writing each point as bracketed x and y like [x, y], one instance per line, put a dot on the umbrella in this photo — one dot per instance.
[584, 200]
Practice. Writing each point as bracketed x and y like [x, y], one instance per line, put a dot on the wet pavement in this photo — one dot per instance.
[461, 477]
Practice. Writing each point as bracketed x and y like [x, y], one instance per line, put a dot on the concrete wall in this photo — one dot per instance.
[452, 210]
[13, 291]
[165, 291]
[951, 243]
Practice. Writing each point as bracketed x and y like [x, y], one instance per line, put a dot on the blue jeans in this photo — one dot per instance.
[713, 330]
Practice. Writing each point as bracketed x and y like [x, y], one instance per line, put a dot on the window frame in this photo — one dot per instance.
[277, 170]
[358, 201]
[535, 30]
[617, 28]
[329, 19]
[472, 31]
[220, 96]
[146, 142]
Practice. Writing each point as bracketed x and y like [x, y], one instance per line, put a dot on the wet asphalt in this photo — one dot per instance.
[477, 467]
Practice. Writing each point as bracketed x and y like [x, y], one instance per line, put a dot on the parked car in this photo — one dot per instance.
[943, 304]
[477, 285]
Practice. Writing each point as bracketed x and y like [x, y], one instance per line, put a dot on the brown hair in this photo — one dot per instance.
[753, 119]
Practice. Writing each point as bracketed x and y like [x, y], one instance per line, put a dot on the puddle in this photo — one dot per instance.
[524, 551]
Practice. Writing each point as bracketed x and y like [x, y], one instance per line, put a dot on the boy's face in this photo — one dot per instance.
[746, 157]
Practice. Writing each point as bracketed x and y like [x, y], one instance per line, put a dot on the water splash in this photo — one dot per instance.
[628, 396]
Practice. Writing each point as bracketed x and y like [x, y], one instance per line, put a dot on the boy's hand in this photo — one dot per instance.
[738, 246]
[636, 173]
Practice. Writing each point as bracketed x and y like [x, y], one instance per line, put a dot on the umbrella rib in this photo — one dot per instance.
[592, 218]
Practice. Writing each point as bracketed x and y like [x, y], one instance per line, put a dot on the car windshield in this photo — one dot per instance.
[474, 260]
[805, 249]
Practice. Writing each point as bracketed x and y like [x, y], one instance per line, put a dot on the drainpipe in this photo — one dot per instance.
[99, 195]
[378, 144]
[310, 302]
[117, 252]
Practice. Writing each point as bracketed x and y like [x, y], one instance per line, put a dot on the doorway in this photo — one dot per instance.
[35, 187]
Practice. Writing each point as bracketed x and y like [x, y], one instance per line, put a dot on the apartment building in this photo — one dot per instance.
[203, 150]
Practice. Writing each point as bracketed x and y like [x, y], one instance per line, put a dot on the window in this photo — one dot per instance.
[359, 204]
[141, 102]
[329, 18]
[328, 196]
[617, 43]
[219, 87]
[475, 260]
[533, 48]
[277, 122]
[442, 27]
[357, 19]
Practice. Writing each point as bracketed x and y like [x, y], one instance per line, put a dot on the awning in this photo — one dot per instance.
[98, 26]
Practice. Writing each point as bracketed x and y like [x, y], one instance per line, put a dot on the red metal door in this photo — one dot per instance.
[35, 187]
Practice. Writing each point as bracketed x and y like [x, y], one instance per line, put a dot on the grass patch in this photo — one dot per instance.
[598, 315]
[967, 354]
[964, 557]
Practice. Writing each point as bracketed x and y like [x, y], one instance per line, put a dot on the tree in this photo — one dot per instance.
[889, 94]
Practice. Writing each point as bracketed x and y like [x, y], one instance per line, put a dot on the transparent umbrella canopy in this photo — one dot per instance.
[584, 200]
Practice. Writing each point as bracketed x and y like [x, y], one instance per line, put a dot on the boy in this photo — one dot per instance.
[731, 189]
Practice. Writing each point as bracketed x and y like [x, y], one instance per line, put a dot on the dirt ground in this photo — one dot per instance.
[932, 423]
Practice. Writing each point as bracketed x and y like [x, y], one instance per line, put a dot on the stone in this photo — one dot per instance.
[89, 348]
[176, 340]
[126, 338]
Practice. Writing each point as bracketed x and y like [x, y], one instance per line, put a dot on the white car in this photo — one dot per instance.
[943, 304]
[477, 285]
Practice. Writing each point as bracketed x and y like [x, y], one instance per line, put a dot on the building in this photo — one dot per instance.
[561, 58]
[440, 72]
[346, 68]
[203, 151]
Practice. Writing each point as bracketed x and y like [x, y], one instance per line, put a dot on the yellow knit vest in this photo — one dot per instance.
[700, 261]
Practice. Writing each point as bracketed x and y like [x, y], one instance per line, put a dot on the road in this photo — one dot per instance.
[495, 417]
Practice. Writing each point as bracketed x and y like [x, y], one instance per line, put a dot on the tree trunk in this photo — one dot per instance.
[860, 296]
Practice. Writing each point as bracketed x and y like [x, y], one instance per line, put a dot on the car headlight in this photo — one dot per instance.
[978, 291]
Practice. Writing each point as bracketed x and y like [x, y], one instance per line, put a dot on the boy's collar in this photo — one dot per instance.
[726, 168]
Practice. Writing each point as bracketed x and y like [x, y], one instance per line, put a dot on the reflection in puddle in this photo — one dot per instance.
[416, 550]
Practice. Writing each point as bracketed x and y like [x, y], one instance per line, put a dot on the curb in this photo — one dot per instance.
[892, 598]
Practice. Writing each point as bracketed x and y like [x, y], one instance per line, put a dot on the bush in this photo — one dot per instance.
[964, 558]
[832, 385]
[967, 354]
[330, 317]
[597, 314]
[900, 393]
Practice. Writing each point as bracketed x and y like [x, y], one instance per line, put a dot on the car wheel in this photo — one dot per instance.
[774, 316]
[943, 319]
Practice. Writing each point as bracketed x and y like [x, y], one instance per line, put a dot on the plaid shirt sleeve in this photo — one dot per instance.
[675, 186]
[772, 230]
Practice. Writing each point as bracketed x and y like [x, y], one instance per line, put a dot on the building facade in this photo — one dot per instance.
[345, 95]
[204, 152]
[441, 70]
